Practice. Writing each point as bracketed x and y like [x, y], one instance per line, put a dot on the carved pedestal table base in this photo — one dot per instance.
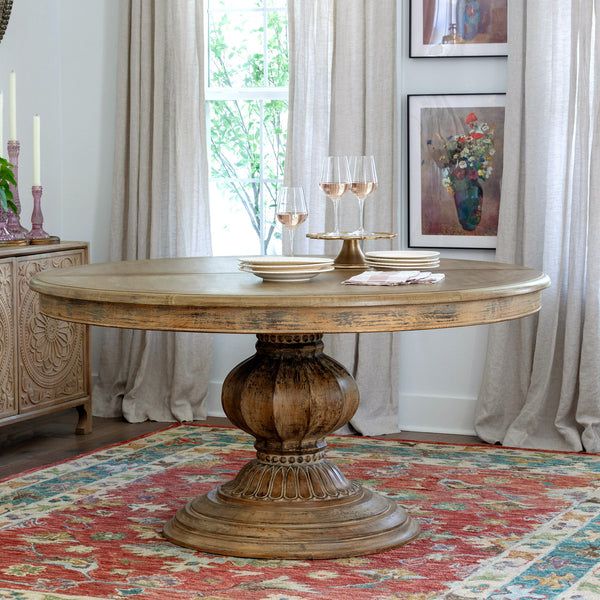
[290, 502]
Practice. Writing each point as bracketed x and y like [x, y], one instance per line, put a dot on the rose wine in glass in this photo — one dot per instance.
[363, 182]
[291, 210]
[335, 180]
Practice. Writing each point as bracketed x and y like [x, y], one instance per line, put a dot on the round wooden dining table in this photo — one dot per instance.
[290, 501]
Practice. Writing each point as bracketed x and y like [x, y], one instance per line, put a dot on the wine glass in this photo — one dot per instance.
[363, 177]
[291, 210]
[335, 180]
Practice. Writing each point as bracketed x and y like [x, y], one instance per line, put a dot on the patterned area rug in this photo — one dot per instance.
[496, 523]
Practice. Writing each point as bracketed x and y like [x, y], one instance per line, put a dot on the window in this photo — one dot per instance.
[246, 96]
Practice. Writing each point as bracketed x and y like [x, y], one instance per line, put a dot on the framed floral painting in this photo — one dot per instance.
[455, 159]
[440, 28]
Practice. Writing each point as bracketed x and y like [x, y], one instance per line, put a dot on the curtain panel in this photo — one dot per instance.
[159, 204]
[541, 384]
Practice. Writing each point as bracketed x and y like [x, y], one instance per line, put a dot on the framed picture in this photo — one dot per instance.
[441, 28]
[455, 160]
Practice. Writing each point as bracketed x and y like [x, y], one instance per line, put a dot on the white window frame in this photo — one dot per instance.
[249, 93]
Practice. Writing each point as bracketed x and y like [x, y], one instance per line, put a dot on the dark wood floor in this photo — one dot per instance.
[51, 439]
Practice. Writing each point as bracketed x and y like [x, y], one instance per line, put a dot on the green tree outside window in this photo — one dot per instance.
[247, 135]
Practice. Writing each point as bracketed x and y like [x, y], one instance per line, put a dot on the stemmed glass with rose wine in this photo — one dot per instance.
[334, 181]
[291, 210]
[363, 177]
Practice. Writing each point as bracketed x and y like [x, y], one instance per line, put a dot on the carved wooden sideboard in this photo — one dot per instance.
[44, 363]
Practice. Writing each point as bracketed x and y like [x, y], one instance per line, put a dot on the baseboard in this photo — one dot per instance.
[437, 414]
[213, 400]
[418, 412]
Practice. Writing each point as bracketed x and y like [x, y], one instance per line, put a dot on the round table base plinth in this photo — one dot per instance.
[363, 523]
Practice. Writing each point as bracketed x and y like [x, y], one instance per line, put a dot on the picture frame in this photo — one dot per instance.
[457, 28]
[455, 161]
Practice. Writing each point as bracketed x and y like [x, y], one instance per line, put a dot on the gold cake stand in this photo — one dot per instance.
[351, 255]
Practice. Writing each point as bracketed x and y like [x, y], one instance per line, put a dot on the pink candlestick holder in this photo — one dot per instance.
[5, 235]
[14, 223]
[37, 218]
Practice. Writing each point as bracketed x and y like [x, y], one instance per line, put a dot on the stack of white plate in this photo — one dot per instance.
[403, 260]
[286, 268]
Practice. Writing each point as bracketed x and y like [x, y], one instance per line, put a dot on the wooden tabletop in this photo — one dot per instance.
[211, 294]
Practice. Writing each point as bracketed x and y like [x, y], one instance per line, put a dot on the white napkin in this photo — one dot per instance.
[394, 278]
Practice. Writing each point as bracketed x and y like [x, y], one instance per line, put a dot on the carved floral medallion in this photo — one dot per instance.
[50, 341]
[50, 351]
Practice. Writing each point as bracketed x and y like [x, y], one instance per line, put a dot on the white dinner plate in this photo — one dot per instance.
[285, 268]
[389, 268]
[402, 262]
[317, 269]
[404, 254]
[289, 277]
[284, 260]
[389, 263]
[401, 268]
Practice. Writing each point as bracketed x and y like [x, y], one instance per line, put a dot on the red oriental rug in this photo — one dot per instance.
[496, 523]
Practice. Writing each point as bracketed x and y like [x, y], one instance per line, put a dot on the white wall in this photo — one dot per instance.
[440, 371]
[88, 61]
[65, 52]
[65, 56]
[31, 48]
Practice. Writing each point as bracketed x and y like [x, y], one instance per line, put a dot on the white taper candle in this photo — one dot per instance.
[12, 106]
[37, 178]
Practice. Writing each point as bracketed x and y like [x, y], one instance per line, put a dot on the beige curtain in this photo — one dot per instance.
[342, 77]
[159, 204]
[541, 385]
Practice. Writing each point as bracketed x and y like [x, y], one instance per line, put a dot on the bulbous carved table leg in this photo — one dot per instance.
[290, 502]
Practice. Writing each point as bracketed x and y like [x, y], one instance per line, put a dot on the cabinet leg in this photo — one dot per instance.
[84, 424]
